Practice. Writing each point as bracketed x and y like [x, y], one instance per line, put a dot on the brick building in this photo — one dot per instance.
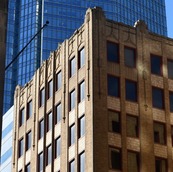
[103, 101]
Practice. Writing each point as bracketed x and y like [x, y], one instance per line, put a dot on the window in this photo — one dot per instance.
[49, 155]
[172, 134]
[49, 121]
[160, 165]
[81, 58]
[157, 98]
[50, 89]
[81, 91]
[113, 86]
[21, 147]
[171, 101]
[28, 168]
[133, 161]
[115, 158]
[21, 117]
[58, 113]
[170, 69]
[58, 80]
[112, 52]
[41, 128]
[72, 135]
[114, 121]
[132, 126]
[159, 133]
[28, 140]
[156, 65]
[29, 109]
[81, 126]
[42, 97]
[129, 57]
[40, 162]
[131, 90]
[72, 166]
[72, 99]
[57, 147]
[72, 66]
[82, 162]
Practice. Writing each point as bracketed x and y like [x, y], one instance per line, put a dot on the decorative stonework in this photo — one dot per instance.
[80, 36]
[113, 32]
[22, 98]
[141, 26]
[49, 65]
[57, 58]
[71, 46]
[41, 73]
[129, 38]
[29, 92]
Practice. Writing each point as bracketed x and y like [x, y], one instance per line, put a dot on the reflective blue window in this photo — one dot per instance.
[58, 113]
[113, 86]
[157, 98]
[156, 65]
[131, 90]
[72, 99]
[112, 52]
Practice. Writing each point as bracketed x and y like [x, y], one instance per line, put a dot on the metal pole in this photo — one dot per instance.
[15, 58]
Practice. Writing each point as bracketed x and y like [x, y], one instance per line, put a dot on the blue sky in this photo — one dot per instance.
[169, 12]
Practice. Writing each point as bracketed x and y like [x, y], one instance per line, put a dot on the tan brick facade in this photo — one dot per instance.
[98, 140]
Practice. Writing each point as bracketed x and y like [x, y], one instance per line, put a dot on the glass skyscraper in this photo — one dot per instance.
[6, 142]
[27, 16]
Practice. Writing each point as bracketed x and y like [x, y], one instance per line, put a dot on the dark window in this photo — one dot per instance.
[170, 69]
[72, 135]
[72, 99]
[58, 113]
[40, 162]
[172, 134]
[57, 147]
[171, 101]
[82, 162]
[160, 165]
[49, 155]
[113, 86]
[28, 140]
[114, 121]
[115, 157]
[81, 91]
[72, 66]
[112, 52]
[21, 147]
[159, 133]
[132, 126]
[133, 161]
[129, 57]
[156, 65]
[41, 128]
[29, 109]
[50, 89]
[49, 121]
[28, 168]
[72, 166]
[81, 126]
[131, 90]
[42, 97]
[58, 80]
[81, 58]
[21, 117]
[157, 98]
